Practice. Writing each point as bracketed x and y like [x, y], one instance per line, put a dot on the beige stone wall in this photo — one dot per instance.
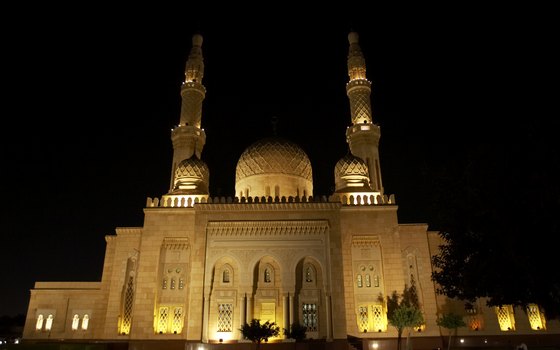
[416, 251]
[247, 237]
[161, 224]
[63, 300]
[120, 248]
[281, 235]
[373, 223]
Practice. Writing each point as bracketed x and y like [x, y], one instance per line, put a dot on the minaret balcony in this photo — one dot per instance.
[358, 83]
[193, 86]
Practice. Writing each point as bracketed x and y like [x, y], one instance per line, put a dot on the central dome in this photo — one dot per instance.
[273, 167]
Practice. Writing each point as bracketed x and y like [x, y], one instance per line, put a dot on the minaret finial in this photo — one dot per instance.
[194, 69]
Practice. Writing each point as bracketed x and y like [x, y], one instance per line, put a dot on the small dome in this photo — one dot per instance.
[192, 174]
[273, 167]
[350, 174]
[351, 165]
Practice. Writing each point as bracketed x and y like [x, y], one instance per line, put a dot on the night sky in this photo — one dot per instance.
[90, 98]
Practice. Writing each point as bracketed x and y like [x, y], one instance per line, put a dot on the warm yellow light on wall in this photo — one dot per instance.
[536, 318]
[85, 322]
[505, 316]
[48, 324]
[39, 324]
[224, 336]
[75, 322]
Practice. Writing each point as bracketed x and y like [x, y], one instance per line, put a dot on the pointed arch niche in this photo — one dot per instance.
[225, 305]
[267, 304]
[309, 306]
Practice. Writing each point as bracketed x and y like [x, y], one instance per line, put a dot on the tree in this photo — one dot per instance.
[404, 312]
[451, 321]
[257, 331]
[498, 208]
[296, 331]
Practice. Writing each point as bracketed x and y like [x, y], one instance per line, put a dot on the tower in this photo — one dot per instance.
[188, 137]
[363, 135]
[189, 174]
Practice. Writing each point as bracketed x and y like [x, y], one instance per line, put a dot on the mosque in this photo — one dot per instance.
[200, 266]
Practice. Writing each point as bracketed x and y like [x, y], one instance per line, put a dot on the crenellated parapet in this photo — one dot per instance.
[364, 199]
[189, 201]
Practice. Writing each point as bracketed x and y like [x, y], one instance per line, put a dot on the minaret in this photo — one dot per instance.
[188, 138]
[363, 135]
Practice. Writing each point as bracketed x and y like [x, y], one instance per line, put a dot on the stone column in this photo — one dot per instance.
[249, 315]
[242, 309]
[205, 316]
[287, 313]
[329, 316]
[291, 297]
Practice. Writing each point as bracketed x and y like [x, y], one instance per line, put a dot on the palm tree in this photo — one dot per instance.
[257, 331]
[450, 321]
[297, 332]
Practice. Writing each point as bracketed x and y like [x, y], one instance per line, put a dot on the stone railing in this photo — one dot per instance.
[190, 201]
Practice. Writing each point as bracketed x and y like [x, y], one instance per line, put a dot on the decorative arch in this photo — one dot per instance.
[310, 311]
[226, 272]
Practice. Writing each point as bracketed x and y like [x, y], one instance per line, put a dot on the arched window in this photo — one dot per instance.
[181, 283]
[39, 324]
[164, 283]
[359, 281]
[172, 283]
[75, 322]
[309, 274]
[267, 275]
[48, 324]
[85, 322]
[368, 280]
[225, 276]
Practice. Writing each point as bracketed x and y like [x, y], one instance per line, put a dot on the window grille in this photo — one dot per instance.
[225, 317]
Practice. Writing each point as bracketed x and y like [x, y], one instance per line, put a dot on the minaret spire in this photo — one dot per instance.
[363, 136]
[188, 137]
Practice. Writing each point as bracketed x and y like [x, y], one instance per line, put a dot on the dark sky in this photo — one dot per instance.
[90, 96]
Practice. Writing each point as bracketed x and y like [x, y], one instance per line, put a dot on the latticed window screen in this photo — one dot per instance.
[371, 318]
[378, 318]
[505, 317]
[225, 317]
[363, 321]
[536, 319]
[177, 323]
[474, 322]
[127, 307]
[163, 319]
[310, 317]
